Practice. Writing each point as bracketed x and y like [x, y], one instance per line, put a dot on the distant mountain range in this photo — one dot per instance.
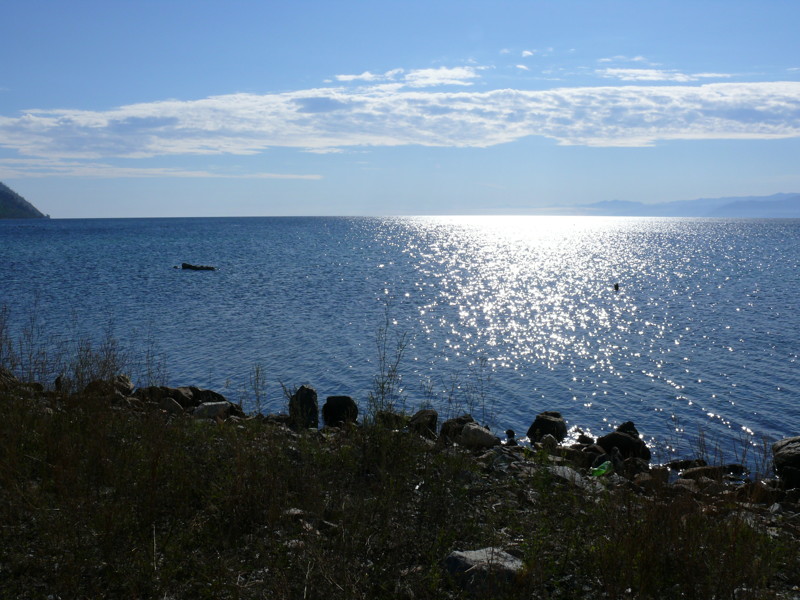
[775, 206]
[14, 206]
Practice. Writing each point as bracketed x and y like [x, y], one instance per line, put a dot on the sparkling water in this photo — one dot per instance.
[503, 317]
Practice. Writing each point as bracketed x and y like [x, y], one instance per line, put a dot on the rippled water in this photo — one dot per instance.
[504, 316]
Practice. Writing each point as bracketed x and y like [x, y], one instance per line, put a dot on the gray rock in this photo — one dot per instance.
[339, 410]
[451, 429]
[182, 396]
[475, 437]
[123, 385]
[712, 472]
[572, 477]
[170, 405]
[212, 410]
[487, 569]
[303, 408]
[786, 457]
[200, 396]
[549, 443]
[548, 422]
[425, 423]
[680, 465]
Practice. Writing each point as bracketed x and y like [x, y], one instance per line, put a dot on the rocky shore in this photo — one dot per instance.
[522, 501]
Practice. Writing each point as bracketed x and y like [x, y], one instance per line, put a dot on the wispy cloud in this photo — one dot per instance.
[622, 58]
[418, 78]
[441, 76]
[369, 77]
[24, 167]
[656, 75]
[327, 119]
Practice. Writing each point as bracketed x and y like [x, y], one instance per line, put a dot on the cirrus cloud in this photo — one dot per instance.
[656, 75]
[329, 118]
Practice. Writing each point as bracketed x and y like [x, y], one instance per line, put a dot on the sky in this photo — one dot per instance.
[204, 108]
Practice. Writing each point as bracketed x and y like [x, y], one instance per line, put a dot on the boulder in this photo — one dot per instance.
[339, 410]
[390, 420]
[451, 429]
[199, 396]
[635, 466]
[626, 439]
[484, 570]
[549, 443]
[303, 408]
[123, 385]
[571, 476]
[548, 422]
[680, 465]
[425, 423]
[712, 472]
[212, 410]
[475, 437]
[786, 458]
[155, 393]
[170, 405]
[99, 388]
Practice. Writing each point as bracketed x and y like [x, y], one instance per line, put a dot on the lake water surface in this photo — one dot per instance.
[503, 316]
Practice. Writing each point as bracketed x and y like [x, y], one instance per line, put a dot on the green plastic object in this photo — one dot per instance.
[603, 469]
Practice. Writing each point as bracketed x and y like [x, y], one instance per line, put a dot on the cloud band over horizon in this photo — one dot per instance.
[391, 113]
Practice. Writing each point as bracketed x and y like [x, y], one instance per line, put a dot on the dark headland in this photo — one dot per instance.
[14, 206]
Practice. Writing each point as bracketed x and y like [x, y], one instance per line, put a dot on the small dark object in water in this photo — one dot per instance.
[616, 287]
[192, 267]
[510, 439]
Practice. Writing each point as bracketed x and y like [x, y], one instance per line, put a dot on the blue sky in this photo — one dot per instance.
[193, 108]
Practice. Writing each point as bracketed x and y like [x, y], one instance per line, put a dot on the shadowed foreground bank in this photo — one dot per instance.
[108, 495]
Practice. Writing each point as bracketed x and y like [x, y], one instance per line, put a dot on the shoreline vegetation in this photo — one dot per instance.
[117, 491]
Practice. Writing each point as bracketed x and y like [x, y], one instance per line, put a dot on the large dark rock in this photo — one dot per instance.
[200, 396]
[626, 439]
[99, 387]
[786, 457]
[120, 386]
[156, 393]
[339, 410]
[548, 422]
[303, 408]
[452, 428]
[425, 423]
[390, 420]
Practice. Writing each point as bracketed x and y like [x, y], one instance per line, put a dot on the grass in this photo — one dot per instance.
[102, 501]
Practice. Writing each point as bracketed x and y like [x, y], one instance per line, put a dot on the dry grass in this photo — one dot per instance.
[101, 501]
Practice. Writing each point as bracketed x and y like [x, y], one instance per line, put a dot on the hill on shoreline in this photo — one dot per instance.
[14, 206]
[785, 206]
